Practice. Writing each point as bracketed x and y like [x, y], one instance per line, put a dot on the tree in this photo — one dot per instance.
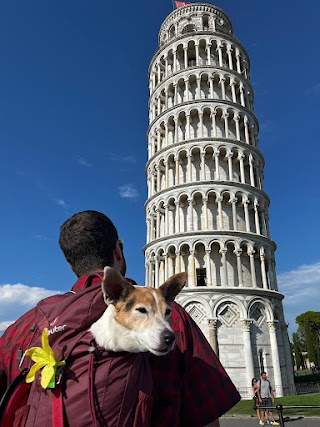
[309, 326]
[297, 351]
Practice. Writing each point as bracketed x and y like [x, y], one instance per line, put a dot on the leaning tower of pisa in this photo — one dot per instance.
[207, 212]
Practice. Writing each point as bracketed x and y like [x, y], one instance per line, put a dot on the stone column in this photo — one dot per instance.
[226, 126]
[176, 159]
[213, 335]
[214, 128]
[185, 57]
[242, 174]
[177, 228]
[151, 269]
[178, 262]
[275, 356]
[192, 273]
[211, 86]
[252, 268]
[166, 165]
[174, 61]
[219, 53]
[234, 213]
[230, 169]
[201, 124]
[246, 131]
[263, 220]
[223, 90]
[216, 164]
[251, 171]
[158, 179]
[190, 201]
[242, 96]
[197, 53]
[205, 208]
[256, 218]
[166, 219]
[147, 274]
[188, 126]
[246, 323]
[238, 253]
[238, 60]
[229, 50]
[176, 129]
[203, 170]
[246, 214]
[208, 54]
[186, 82]
[158, 224]
[190, 167]
[208, 268]
[233, 91]
[263, 272]
[220, 218]
[224, 272]
[156, 272]
[198, 91]
[166, 266]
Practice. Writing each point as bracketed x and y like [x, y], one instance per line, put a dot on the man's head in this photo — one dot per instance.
[264, 375]
[89, 241]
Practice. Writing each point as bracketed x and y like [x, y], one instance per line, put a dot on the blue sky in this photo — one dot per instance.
[73, 122]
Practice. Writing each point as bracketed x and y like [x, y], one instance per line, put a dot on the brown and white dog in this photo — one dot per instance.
[137, 317]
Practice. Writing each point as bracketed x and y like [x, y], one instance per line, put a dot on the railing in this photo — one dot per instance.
[306, 388]
[280, 409]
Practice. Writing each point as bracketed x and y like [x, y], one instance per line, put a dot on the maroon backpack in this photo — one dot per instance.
[96, 387]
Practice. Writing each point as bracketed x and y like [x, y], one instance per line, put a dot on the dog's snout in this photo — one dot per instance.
[168, 337]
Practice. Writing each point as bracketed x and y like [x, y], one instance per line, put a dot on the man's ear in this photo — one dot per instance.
[114, 286]
[173, 286]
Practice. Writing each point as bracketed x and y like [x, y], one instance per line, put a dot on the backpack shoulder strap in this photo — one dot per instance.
[14, 398]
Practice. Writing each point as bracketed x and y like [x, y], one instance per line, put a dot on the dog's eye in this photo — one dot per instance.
[168, 312]
[141, 310]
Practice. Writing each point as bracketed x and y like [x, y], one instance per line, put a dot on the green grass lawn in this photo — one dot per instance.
[244, 407]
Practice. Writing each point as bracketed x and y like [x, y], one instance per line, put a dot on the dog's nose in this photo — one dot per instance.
[168, 337]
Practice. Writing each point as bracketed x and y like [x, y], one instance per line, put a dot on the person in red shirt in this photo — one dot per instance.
[191, 388]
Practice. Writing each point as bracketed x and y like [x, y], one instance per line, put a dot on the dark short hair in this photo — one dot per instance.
[263, 372]
[87, 240]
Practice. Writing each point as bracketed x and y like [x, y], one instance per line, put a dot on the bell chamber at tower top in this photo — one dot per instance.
[194, 17]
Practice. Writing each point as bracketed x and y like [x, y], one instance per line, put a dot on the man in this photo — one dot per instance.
[266, 399]
[191, 388]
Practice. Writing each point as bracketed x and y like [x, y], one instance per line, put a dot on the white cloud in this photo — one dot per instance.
[122, 159]
[301, 290]
[128, 191]
[17, 299]
[314, 90]
[83, 162]
[61, 203]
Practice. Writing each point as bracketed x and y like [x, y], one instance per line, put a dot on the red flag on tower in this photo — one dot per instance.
[182, 3]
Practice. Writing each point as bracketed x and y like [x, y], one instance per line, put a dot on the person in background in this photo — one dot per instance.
[256, 404]
[266, 400]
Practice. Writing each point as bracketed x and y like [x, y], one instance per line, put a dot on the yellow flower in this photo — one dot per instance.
[44, 359]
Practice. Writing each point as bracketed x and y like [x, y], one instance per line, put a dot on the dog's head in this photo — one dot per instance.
[143, 311]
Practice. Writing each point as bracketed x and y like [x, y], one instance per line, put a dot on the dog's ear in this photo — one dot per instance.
[173, 286]
[114, 286]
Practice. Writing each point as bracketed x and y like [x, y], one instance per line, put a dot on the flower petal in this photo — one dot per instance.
[46, 375]
[34, 368]
[37, 354]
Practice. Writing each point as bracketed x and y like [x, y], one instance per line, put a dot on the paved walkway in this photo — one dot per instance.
[253, 422]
